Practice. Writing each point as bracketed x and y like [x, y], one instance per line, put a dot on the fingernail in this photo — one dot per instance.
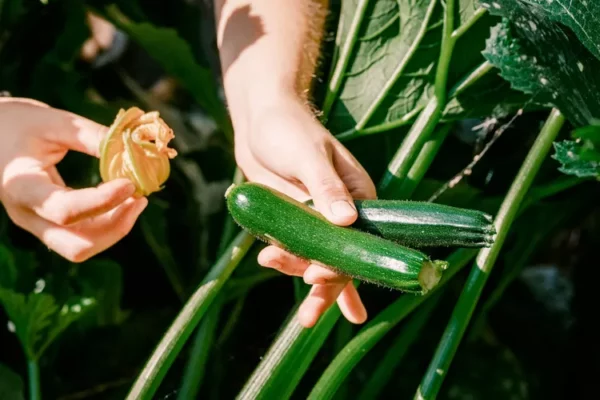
[342, 209]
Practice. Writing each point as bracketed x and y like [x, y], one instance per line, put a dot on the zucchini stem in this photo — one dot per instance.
[438, 368]
[180, 330]
[420, 132]
[431, 274]
[33, 370]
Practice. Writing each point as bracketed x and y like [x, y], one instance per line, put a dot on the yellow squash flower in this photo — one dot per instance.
[135, 148]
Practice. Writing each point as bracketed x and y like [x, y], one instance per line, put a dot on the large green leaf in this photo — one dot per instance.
[540, 57]
[386, 65]
[579, 15]
[176, 57]
[37, 319]
[390, 65]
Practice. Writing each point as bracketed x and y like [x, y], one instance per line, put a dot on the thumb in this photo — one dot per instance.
[77, 133]
[329, 193]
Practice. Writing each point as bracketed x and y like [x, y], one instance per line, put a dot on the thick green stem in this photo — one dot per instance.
[428, 119]
[448, 42]
[438, 368]
[372, 333]
[33, 370]
[396, 352]
[424, 159]
[172, 342]
[203, 342]
[229, 225]
[288, 358]
[419, 133]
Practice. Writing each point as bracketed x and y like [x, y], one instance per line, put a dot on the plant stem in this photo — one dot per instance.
[371, 333]
[526, 248]
[395, 353]
[424, 159]
[438, 368]
[288, 358]
[229, 225]
[402, 161]
[461, 30]
[172, 342]
[428, 119]
[474, 76]
[338, 73]
[33, 370]
[448, 42]
[203, 342]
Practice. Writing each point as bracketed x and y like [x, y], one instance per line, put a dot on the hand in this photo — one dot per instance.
[102, 34]
[77, 224]
[286, 148]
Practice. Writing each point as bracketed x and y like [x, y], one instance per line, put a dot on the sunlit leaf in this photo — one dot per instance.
[540, 57]
[37, 319]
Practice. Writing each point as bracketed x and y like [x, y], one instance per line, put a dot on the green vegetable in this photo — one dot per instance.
[424, 224]
[278, 219]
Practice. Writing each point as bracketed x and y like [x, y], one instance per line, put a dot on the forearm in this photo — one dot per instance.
[268, 49]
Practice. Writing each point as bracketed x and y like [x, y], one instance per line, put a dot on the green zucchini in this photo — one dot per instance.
[421, 224]
[278, 219]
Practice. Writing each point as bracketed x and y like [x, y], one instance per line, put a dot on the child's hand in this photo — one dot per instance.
[286, 148]
[77, 224]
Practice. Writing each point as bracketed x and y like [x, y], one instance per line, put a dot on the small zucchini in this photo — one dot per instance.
[421, 224]
[278, 219]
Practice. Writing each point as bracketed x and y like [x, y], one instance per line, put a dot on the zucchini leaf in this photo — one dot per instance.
[580, 16]
[11, 384]
[37, 319]
[392, 62]
[386, 61]
[580, 157]
[541, 57]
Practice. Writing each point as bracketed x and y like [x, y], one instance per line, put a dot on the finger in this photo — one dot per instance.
[75, 132]
[65, 206]
[55, 176]
[318, 275]
[89, 50]
[351, 305]
[329, 193]
[355, 177]
[102, 30]
[111, 227]
[319, 299]
[78, 245]
[281, 260]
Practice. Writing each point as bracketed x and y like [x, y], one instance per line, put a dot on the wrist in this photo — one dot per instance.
[249, 103]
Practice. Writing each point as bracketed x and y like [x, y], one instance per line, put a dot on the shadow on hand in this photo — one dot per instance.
[239, 21]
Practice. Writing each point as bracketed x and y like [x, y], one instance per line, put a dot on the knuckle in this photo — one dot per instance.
[332, 185]
[62, 217]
